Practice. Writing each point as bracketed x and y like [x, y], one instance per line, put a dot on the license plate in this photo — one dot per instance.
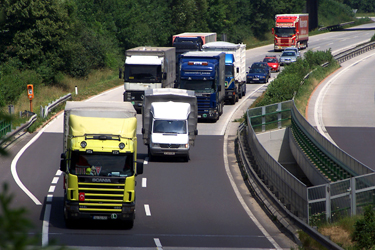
[97, 217]
[169, 153]
[255, 79]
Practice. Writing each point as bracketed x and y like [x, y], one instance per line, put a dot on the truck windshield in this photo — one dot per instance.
[143, 73]
[169, 126]
[285, 32]
[102, 164]
[199, 86]
[229, 71]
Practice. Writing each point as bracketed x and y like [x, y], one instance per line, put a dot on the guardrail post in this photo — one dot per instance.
[41, 111]
[353, 198]
[263, 119]
[279, 115]
[328, 202]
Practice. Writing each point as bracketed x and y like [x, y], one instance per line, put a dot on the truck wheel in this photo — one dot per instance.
[71, 224]
[221, 107]
[149, 153]
[128, 224]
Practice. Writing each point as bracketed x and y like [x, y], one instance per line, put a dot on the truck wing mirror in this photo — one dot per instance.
[119, 73]
[219, 88]
[196, 132]
[143, 130]
[238, 70]
[273, 31]
[164, 76]
[63, 163]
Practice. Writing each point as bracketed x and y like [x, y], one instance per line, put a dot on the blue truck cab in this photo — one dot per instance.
[204, 72]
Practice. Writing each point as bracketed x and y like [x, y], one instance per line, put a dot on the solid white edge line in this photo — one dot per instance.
[237, 192]
[45, 228]
[235, 109]
[147, 210]
[14, 168]
[318, 109]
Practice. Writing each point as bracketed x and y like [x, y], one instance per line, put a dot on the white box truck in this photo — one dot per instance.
[169, 122]
[147, 68]
[235, 68]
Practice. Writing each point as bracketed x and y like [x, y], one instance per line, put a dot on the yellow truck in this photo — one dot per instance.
[99, 162]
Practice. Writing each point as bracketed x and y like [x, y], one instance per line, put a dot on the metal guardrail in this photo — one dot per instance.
[5, 127]
[271, 202]
[349, 54]
[19, 129]
[44, 112]
[336, 26]
[324, 204]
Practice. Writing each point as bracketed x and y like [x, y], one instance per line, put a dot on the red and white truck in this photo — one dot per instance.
[291, 30]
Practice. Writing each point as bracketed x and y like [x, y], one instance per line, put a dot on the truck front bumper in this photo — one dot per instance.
[230, 94]
[72, 212]
[211, 114]
[135, 97]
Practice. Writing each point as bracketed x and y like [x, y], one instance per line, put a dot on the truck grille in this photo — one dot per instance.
[203, 103]
[100, 196]
[169, 145]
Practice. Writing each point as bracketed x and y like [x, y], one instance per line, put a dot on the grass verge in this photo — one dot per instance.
[95, 83]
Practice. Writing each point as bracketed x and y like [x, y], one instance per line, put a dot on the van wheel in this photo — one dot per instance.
[186, 158]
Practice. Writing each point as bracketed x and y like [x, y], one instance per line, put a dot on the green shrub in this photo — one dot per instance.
[13, 82]
[364, 233]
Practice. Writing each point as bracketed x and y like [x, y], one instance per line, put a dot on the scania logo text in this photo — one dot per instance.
[101, 180]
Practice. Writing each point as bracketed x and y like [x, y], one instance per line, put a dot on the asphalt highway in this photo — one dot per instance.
[201, 204]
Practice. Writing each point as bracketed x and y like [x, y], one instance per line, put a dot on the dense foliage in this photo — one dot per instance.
[287, 83]
[363, 6]
[41, 41]
[364, 233]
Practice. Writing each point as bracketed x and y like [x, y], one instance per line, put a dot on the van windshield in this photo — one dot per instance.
[169, 126]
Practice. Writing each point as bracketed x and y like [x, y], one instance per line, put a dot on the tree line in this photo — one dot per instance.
[42, 41]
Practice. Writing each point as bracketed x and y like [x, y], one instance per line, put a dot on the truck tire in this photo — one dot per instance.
[221, 107]
[71, 224]
[149, 153]
[128, 224]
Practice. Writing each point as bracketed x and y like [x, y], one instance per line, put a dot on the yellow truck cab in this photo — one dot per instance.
[99, 161]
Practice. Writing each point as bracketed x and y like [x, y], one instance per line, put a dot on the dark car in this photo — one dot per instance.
[263, 65]
[258, 75]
